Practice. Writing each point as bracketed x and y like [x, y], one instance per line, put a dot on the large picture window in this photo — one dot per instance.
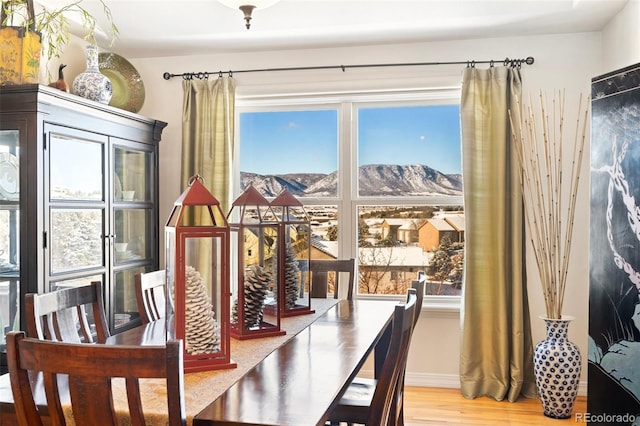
[380, 179]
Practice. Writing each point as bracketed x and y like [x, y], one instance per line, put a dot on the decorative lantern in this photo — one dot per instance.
[294, 252]
[20, 48]
[254, 234]
[197, 262]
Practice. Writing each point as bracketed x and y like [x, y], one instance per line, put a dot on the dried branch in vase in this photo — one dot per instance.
[549, 197]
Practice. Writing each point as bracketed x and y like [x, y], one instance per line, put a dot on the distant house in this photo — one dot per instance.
[432, 232]
[405, 230]
[390, 270]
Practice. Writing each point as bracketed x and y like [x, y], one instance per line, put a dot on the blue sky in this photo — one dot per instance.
[306, 141]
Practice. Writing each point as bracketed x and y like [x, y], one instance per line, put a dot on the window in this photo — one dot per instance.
[380, 177]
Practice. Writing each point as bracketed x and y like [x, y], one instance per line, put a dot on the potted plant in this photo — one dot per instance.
[549, 191]
[28, 35]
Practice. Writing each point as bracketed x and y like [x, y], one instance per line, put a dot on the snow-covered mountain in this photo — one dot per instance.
[375, 180]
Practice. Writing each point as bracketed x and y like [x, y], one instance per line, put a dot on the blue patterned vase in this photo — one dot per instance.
[91, 83]
[557, 364]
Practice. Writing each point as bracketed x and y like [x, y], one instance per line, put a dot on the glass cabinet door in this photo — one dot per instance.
[75, 167]
[131, 178]
[9, 232]
[76, 240]
[132, 226]
[76, 203]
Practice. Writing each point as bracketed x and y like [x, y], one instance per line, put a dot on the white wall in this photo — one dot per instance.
[567, 61]
[621, 38]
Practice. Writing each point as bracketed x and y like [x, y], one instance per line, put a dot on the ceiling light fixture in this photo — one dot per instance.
[247, 6]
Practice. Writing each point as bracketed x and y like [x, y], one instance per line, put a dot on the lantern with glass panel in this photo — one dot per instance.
[294, 252]
[254, 281]
[197, 239]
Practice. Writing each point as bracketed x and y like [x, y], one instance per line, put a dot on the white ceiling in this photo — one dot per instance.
[151, 28]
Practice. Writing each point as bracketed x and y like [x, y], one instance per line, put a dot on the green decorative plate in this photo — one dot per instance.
[128, 88]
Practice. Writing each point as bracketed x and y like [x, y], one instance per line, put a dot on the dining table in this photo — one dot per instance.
[293, 379]
[299, 382]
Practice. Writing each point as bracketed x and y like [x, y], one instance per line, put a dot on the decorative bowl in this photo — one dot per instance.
[128, 87]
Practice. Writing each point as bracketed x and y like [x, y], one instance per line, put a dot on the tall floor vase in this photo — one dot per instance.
[557, 364]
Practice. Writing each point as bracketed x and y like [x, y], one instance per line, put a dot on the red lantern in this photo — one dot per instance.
[294, 252]
[197, 263]
[255, 236]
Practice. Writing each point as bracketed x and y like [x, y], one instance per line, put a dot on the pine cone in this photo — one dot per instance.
[202, 332]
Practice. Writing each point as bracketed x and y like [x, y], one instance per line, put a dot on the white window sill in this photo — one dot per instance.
[448, 305]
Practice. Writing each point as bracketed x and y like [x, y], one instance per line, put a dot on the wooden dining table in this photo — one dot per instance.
[286, 380]
[299, 382]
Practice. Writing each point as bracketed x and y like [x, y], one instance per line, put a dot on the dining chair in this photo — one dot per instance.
[150, 295]
[374, 402]
[320, 270]
[61, 315]
[89, 369]
[398, 408]
[419, 286]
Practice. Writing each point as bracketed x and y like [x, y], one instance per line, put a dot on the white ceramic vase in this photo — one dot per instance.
[557, 364]
[91, 83]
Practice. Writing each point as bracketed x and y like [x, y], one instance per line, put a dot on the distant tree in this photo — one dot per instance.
[363, 233]
[440, 265]
[332, 233]
[447, 262]
[388, 242]
[374, 266]
[457, 261]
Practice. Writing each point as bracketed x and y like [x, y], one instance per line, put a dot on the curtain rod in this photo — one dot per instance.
[205, 75]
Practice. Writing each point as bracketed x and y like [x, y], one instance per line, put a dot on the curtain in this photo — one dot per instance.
[207, 135]
[496, 356]
[207, 150]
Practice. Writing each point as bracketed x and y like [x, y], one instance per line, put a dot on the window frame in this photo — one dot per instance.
[347, 200]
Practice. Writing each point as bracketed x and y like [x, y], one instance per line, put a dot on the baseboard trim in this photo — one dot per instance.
[432, 380]
[448, 381]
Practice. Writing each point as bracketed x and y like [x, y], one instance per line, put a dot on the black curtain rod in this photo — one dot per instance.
[205, 75]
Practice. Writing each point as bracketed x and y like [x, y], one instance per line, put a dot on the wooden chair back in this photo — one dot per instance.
[378, 401]
[90, 369]
[151, 295]
[382, 404]
[61, 315]
[418, 285]
[320, 270]
[397, 409]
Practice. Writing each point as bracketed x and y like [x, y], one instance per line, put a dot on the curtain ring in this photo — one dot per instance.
[491, 63]
[219, 74]
[230, 73]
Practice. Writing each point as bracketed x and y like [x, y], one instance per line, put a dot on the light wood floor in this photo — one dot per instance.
[438, 406]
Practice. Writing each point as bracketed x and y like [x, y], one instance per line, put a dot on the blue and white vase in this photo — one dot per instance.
[557, 364]
[91, 83]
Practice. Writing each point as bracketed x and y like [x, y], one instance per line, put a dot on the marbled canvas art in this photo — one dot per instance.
[614, 274]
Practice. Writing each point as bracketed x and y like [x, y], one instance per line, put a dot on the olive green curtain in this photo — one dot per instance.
[496, 355]
[207, 135]
[207, 150]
